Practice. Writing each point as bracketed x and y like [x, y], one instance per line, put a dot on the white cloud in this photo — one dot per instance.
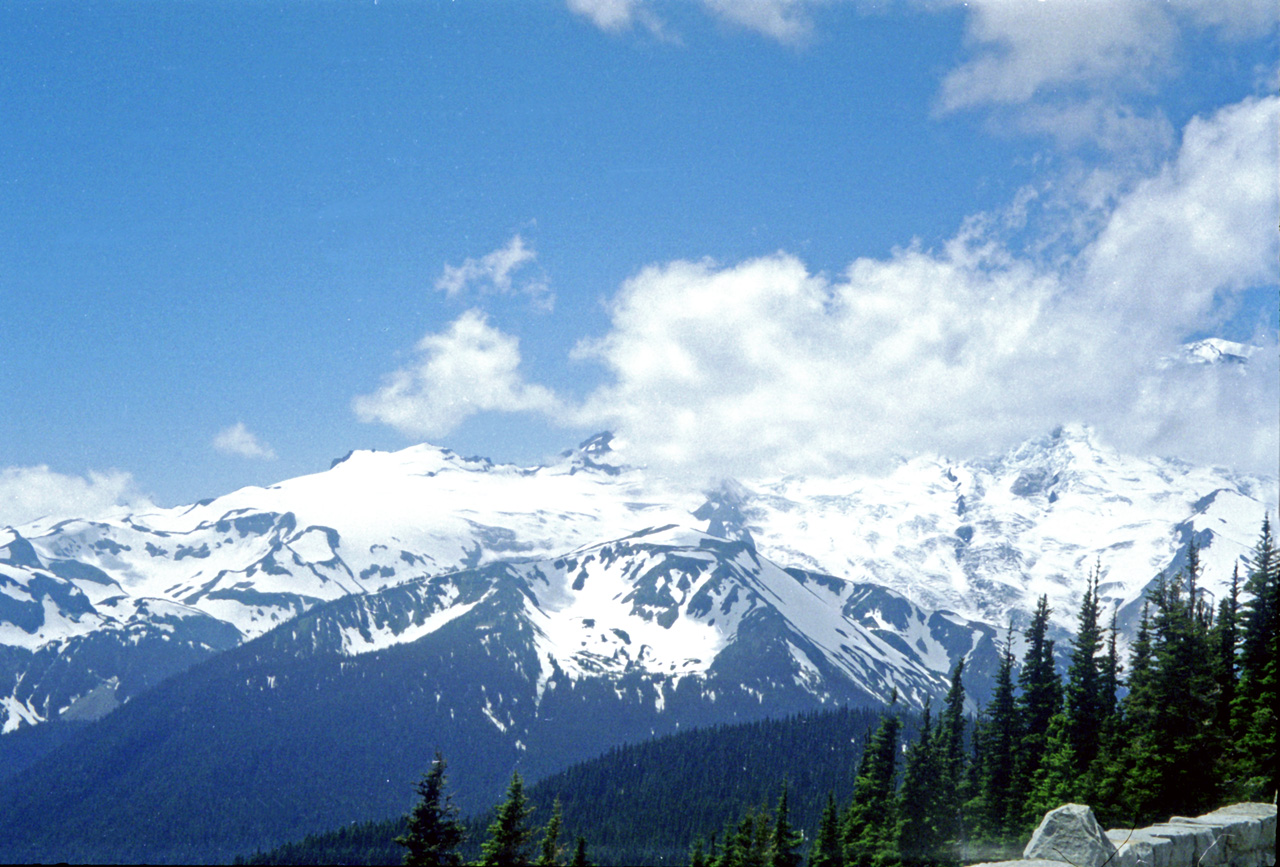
[239, 440]
[1074, 70]
[609, 15]
[494, 273]
[31, 493]
[787, 21]
[472, 367]
[1025, 48]
[764, 366]
[1204, 226]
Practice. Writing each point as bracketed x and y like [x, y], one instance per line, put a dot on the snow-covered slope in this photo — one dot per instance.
[980, 539]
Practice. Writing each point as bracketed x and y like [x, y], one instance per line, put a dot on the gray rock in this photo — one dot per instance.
[1140, 847]
[1071, 834]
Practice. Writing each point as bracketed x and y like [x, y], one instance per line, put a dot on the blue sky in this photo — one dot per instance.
[239, 239]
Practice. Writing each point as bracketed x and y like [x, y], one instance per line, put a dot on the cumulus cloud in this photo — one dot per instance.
[31, 493]
[1205, 225]
[239, 440]
[765, 366]
[962, 349]
[494, 273]
[472, 367]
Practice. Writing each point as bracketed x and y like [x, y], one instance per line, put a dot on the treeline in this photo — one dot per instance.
[1196, 727]
[646, 802]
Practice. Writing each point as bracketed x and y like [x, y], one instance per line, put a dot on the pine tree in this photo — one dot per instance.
[952, 762]
[434, 832]
[996, 745]
[1055, 781]
[549, 856]
[920, 842]
[1084, 683]
[580, 853]
[869, 823]
[1040, 700]
[696, 858]
[509, 834]
[1254, 711]
[827, 850]
[1224, 638]
[784, 848]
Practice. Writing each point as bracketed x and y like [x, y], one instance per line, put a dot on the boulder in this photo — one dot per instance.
[1071, 834]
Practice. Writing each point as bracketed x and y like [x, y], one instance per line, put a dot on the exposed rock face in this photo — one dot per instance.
[1241, 835]
[1071, 834]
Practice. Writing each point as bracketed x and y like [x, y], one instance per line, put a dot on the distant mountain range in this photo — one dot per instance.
[93, 613]
[287, 657]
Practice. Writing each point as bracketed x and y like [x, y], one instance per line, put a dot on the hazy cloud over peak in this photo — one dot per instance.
[30, 493]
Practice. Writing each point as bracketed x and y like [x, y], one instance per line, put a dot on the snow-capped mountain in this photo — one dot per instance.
[534, 665]
[979, 539]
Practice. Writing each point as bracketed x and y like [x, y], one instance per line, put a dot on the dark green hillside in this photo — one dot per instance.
[646, 803]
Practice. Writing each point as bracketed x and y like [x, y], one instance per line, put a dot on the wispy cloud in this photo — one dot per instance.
[495, 274]
[239, 440]
[31, 493]
[1078, 71]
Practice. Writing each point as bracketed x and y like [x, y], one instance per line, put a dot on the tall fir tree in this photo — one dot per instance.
[580, 853]
[996, 740]
[549, 853]
[1040, 700]
[868, 830]
[827, 849]
[953, 766]
[1223, 639]
[920, 841]
[784, 848]
[1084, 711]
[1254, 709]
[433, 832]
[510, 836]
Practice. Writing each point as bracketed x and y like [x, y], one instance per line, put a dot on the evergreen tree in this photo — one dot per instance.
[920, 801]
[1084, 682]
[580, 853]
[1224, 638]
[1110, 673]
[696, 858]
[549, 856]
[434, 832]
[952, 763]
[1040, 700]
[827, 850]
[996, 744]
[1254, 711]
[509, 834]
[869, 823]
[784, 848]
[1055, 781]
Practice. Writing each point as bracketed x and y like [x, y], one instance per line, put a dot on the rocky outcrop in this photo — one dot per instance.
[1241, 835]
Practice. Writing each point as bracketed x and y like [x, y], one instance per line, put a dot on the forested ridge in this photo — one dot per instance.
[1183, 724]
